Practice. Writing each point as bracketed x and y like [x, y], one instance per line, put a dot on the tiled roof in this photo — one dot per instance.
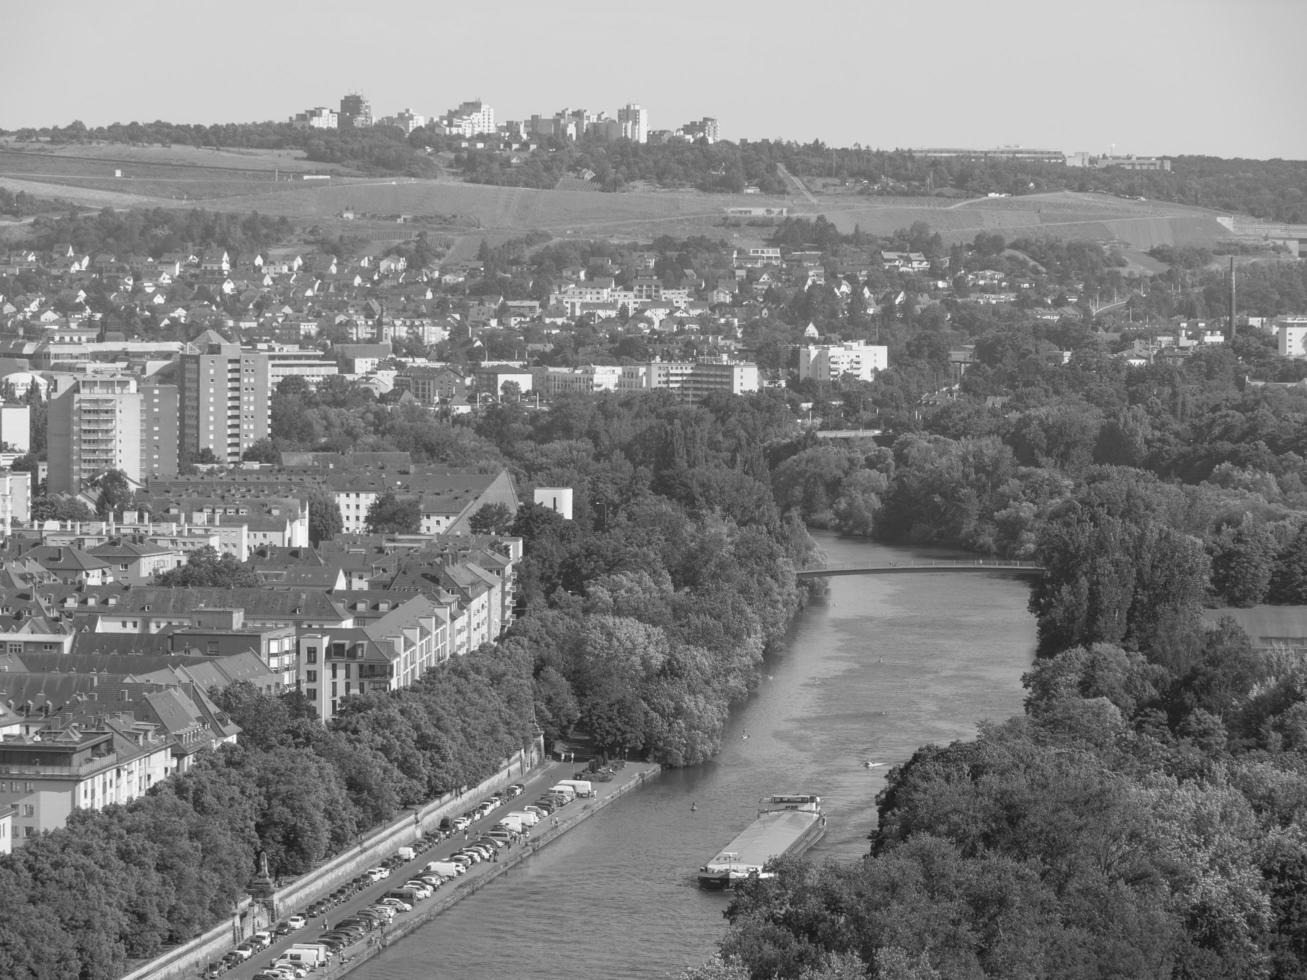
[258, 603]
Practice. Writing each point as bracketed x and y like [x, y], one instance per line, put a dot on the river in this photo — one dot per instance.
[879, 667]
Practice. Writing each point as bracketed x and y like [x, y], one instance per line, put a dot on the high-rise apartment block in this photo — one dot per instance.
[93, 426]
[355, 112]
[225, 395]
[633, 122]
[705, 129]
[319, 117]
[470, 119]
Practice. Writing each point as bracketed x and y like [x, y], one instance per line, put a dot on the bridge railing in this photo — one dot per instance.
[942, 564]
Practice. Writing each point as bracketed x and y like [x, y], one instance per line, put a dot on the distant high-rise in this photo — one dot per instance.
[705, 129]
[225, 395]
[470, 119]
[634, 123]
[355, 111]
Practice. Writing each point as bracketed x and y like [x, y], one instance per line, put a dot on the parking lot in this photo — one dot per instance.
[351, 919]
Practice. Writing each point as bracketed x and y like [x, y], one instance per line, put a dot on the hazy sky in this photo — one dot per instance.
[1146, 76]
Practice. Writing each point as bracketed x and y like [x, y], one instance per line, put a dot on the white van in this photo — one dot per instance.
[583, 787]
[446, 869]
[568, 792]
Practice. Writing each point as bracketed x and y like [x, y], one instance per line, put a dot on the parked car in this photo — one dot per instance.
[296, 921]
[516, 790]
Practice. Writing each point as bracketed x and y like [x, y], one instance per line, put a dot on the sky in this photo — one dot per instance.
[1220, 77]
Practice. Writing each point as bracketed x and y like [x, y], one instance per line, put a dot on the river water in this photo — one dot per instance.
[879, 667]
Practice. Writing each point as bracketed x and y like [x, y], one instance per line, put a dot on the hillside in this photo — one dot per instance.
[270, 182]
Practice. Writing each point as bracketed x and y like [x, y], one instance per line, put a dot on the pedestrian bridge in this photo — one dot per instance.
[982, 565]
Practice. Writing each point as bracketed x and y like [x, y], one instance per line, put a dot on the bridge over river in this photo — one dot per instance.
[979, 565]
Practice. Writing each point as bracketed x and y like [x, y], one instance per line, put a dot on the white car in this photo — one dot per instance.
[397, 904]
[377, 874]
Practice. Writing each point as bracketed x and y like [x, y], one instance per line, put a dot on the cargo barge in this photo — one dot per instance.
[786, 825]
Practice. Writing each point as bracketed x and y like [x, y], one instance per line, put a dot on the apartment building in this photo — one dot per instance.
[94, 425]
[47, 775]
[386, 654]
[225, 395]
[830, 362]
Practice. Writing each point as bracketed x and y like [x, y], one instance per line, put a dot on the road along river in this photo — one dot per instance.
[881, 666]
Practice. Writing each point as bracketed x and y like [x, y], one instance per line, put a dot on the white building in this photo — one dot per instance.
[1292, 334]
[470, 119]
[854, 359]
[557, 499]
[16, 427]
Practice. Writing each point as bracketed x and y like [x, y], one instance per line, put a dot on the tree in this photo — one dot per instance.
[390, 514]
[1243, 562]
[491, 519]
[325, 521]
[47, 508]
[262, 451]
[115, 493]
[206, 568]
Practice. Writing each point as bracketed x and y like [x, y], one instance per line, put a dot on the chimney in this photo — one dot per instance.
[1233, 304]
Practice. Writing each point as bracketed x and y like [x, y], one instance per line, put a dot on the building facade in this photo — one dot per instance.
[830, 362]
[93, 426]
[226, 397]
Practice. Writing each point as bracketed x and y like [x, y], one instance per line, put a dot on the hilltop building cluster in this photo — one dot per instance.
[476, 118]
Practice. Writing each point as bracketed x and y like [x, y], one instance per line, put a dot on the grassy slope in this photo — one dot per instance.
[234, 180]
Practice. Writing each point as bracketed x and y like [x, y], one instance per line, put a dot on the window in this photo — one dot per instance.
[29, 810]
[311, 693]
[313, 655]
[311, 676]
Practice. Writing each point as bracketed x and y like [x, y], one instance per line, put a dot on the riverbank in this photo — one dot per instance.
[634, 775]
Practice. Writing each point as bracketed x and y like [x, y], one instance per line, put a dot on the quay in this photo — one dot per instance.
[190, 960]
[635, 774]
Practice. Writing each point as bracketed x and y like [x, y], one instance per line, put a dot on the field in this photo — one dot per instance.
[269, 182]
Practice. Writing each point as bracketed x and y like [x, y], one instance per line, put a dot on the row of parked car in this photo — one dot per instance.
[397, 900]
